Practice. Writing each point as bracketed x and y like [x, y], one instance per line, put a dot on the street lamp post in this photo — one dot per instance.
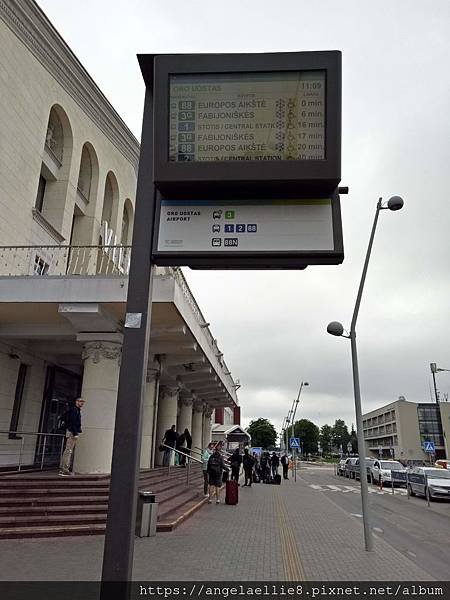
[336, 328]
[303, 383]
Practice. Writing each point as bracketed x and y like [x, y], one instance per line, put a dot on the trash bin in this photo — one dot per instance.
[146, 514]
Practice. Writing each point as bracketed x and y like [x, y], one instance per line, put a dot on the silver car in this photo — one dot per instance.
[381, 469]
[429, 481]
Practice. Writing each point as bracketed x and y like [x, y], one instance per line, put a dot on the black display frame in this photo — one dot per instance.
[265, 259]
[251, 178]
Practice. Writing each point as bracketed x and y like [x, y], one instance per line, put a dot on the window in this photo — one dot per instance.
[40, 193]
[40, 266]
[17, 401]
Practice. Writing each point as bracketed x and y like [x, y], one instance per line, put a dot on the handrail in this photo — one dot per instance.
[20, 435]
[31, 432]
[183, 453]
[189, 459]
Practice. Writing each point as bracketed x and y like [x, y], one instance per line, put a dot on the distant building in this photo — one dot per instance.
[401, 428]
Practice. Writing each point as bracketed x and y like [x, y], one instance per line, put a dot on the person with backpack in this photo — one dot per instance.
[248, 463]
[170, 439]
[215, 469]
[285, 464]
[72, 423]
[265, 467]
[275, 463]
[235, 462]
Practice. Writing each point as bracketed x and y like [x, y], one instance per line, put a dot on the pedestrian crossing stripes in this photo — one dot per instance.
[351, 489]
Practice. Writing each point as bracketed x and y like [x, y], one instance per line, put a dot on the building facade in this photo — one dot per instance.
[68, 170]
[400, 429]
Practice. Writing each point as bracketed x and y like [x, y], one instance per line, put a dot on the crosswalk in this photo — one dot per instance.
[351, 489]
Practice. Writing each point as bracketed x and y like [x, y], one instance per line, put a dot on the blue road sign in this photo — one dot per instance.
[294, 442]
[429, 447]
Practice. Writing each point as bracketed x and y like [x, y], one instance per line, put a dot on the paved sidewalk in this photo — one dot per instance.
[276, 533]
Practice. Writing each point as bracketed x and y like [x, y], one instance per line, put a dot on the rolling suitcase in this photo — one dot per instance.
[231, 492]
[277, 479]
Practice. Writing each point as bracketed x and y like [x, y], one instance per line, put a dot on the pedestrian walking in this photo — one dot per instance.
[285, 464]
[73, 422]
[274, 463]
[248, 463]
[235, 462]
[265, 467]
[205, 458]
[215, 469]
[181, 446]
[188, 437]
[170, 439]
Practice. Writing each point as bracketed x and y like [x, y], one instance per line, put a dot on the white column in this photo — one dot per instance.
[167, 416]
[99, 390]
[185, 415]
[148, 416]
[207, 412]
[197, 425]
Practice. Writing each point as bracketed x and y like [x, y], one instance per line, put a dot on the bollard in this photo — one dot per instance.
[381, 483]
[392, 483]
[146, 514]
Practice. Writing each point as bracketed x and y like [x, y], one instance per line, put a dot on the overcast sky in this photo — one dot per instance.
[271, 325]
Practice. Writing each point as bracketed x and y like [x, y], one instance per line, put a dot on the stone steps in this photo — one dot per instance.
[49, 506]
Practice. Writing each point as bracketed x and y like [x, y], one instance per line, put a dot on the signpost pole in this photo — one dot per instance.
[121, 521]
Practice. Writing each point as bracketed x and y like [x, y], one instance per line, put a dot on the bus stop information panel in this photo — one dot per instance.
[246, 159]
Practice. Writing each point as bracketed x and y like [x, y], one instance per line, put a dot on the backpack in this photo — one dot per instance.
[63, 421]
[215, 464]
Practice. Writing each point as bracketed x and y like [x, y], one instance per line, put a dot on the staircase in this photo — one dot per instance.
[46, 505]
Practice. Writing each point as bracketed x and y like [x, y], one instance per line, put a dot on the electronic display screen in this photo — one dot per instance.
[259, 116]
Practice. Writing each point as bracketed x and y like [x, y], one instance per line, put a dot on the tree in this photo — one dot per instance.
[340, 435]
[326, 438]
[308, 434]
[263, 433]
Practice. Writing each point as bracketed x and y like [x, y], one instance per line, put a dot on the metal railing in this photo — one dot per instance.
[64, 261]
[189, 459]
[48, 446]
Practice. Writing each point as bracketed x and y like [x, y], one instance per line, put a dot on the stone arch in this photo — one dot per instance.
[110, 200]
[88, 173]
[52, 192]
[127, 223]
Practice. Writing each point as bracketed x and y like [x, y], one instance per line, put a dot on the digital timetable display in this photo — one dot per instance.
[259, 116]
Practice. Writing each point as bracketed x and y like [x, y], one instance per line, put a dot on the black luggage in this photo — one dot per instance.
[277, 480]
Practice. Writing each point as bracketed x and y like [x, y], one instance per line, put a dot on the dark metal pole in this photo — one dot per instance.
[368, 538]
[121, 522]
[436, 393]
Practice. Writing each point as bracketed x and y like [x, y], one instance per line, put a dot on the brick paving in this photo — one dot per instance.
[274, 534]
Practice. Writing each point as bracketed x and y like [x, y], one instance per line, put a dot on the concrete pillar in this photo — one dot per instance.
[197, 426]
[167, 416]
[185, 415]
[100, 383]
[207, 412]
[148, 416]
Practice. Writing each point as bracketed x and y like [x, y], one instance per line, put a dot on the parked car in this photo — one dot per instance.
[349, 471]
[369, 465]
[430, 482]
[415, 462]
[381, 470]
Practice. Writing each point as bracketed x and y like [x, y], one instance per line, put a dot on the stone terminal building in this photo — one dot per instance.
[68, 170]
